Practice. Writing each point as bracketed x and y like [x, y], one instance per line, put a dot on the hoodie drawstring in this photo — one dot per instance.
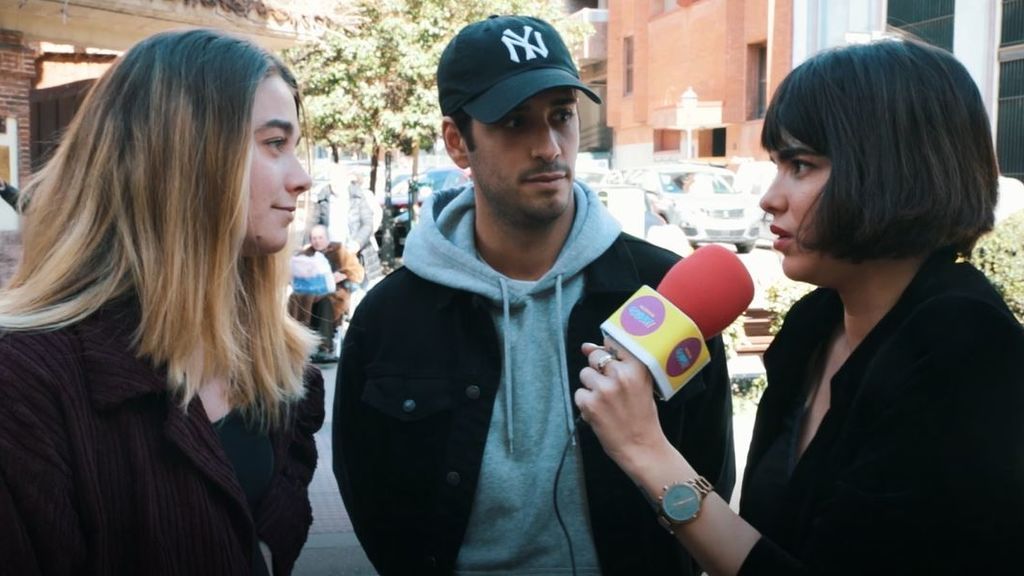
[507, 361]
[563, 360]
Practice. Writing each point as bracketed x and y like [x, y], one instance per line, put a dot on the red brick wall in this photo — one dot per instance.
[703, 45]
[17, 72]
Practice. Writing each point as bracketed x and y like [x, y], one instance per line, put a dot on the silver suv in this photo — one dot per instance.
[703, 202]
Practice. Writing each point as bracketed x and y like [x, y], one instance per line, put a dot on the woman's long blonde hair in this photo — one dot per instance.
[147, 199]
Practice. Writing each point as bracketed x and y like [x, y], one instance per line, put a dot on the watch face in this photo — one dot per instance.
[681, 503]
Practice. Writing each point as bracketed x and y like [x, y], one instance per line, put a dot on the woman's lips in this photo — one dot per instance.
[784, 240]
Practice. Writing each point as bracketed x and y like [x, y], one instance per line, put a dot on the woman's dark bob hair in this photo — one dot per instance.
[913, 165]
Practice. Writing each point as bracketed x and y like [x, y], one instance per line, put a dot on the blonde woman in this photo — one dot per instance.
[155, 413]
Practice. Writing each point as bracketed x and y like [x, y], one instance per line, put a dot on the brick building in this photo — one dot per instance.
[692, 78]
[733, 53]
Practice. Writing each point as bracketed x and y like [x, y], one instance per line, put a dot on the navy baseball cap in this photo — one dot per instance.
[493, 65]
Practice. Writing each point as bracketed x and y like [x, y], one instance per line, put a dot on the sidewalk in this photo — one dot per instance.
[332, 548]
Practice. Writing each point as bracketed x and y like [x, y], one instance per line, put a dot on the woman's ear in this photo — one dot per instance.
[458, 151]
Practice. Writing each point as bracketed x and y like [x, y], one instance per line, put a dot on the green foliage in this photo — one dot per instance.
[1000, 255]
[780, 297]
[371, 85]
[749, 389]
[733, 337]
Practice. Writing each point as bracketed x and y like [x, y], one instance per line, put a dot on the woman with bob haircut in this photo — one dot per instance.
[889, 439]
[156, 412]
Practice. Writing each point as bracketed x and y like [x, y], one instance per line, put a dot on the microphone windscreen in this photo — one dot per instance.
[711, 286]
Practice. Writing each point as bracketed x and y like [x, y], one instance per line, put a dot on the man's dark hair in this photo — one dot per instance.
[913, 165]
[464, 122]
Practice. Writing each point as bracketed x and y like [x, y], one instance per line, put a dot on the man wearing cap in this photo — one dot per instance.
[453, 414]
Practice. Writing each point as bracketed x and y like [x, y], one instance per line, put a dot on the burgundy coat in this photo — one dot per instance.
[102, 473]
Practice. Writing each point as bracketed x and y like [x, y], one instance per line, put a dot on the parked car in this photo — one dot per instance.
[426, 183]
[593, 177]
[701, 199]
[632, 207]
[754, 178]
[434, 179]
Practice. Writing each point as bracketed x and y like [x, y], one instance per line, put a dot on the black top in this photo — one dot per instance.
[252, 457]
[918, 465]
[764, 493]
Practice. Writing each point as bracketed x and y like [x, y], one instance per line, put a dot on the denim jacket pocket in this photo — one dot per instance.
[408, 398]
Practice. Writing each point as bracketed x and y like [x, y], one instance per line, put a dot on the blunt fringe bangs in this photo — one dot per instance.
[904, 126]
[146, 200]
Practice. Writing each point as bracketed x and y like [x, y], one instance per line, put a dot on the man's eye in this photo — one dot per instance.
[513, 122]
[277, 143]
[565, 115]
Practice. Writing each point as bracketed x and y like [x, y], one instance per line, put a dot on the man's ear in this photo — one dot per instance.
[454, 143]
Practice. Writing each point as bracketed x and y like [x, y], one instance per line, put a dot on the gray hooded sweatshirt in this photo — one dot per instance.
[512, 525]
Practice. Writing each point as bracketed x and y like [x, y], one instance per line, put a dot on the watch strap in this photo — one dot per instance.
[702, 485]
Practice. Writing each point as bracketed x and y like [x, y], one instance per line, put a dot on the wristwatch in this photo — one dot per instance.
[680, 503]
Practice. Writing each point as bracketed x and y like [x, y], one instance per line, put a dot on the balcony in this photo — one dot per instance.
[595, 47]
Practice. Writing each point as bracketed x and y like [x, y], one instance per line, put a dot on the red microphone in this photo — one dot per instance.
[666, 329]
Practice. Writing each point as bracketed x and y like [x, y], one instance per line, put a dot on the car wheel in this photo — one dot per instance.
[744, 247]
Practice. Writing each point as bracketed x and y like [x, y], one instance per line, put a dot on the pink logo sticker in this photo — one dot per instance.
[682, 357]
[643, 316]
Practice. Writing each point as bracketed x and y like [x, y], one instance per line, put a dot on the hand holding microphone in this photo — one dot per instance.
[658, 337]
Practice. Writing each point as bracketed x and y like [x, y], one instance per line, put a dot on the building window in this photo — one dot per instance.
[1010, 128]
[627, 67]
[1010, 123]
[757, 81]
[1013, 22]
[668, 140]
[718, 142]
[929, 20]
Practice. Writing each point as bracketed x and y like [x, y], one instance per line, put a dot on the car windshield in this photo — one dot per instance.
[443, 179]
[694, 183]
[592, 178]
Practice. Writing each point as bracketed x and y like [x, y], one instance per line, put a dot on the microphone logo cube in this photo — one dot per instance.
[661, 336]
[683, 356]
[642, 316]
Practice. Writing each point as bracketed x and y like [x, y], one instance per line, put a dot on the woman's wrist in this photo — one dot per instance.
[654, 468]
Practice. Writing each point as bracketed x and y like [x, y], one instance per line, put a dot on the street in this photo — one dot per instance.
[332, 548]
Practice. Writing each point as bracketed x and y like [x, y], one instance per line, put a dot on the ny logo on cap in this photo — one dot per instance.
[531, 51]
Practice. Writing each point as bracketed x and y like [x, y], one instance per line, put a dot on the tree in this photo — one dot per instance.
[370, 85]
